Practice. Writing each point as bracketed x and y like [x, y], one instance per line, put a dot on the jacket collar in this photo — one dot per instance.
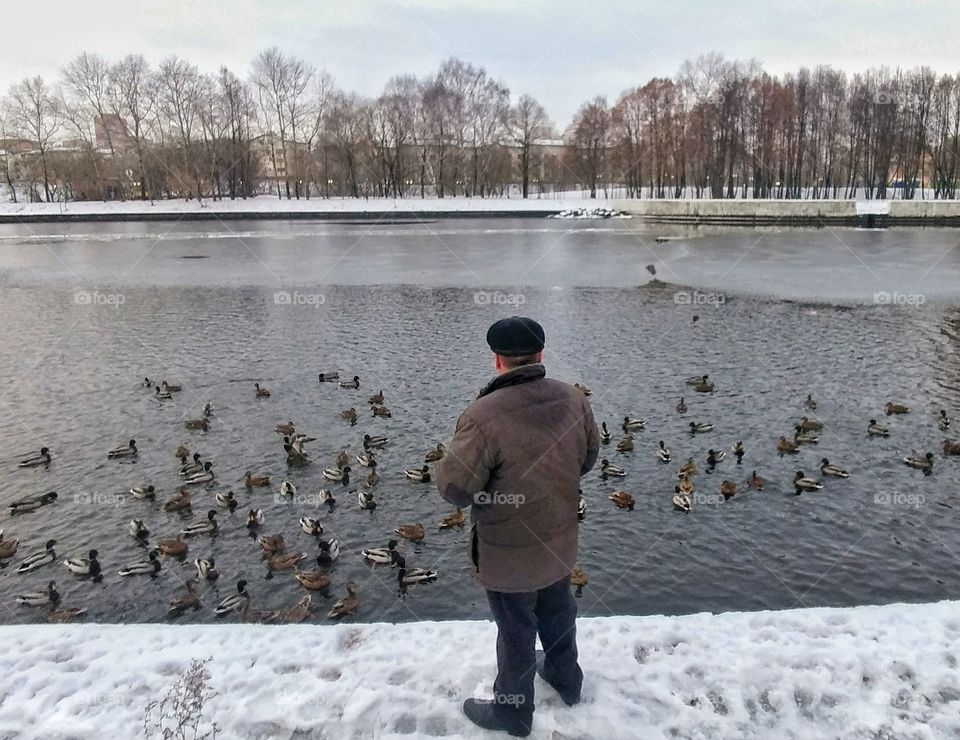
[517, 376]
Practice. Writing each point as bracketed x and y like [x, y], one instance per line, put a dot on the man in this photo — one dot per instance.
[516, 458]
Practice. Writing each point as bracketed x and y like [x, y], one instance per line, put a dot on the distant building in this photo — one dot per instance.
[111, 131]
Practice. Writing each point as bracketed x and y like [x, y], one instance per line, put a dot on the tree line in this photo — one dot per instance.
[719, 129]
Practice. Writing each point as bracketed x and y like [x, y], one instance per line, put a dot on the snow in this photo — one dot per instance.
[878, 672]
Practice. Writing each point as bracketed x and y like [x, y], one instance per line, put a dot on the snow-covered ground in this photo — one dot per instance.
[864, 672]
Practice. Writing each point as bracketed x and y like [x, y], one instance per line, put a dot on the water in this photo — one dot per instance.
[405, 308]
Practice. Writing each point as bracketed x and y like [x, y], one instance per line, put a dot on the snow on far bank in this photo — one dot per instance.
[864, 672]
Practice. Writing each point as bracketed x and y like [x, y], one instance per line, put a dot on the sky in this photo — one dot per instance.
[562, 53]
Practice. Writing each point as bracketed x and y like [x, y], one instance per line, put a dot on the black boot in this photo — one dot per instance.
[489, 715]
[569, 697]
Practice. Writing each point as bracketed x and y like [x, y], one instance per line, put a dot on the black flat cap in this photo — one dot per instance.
[515, 337]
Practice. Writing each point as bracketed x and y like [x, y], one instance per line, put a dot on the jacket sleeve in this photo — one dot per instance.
[465, 467]
[593, 439]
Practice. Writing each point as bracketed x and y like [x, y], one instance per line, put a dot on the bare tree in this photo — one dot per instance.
[35, 114]
[589, 137]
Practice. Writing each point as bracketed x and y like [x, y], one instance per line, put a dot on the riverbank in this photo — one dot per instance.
[862, 672]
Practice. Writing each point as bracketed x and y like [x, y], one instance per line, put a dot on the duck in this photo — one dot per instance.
[663, 454]
[414, 532]
[260, 392]
[182, 500]
[175, 548]
[129, 450]
[337, 474]
[688, 469]
[295, 453]
[943, 421]
[755, 481]
[144, 492]
[254, 518]
[287, 429]
[206, 569]
[66, 614]
[150, 566]
[625, 444]
[288, 489]
[204, 477]
[352, 384]
[313, 580]
[341, 459]
[373, 442]
[739, 451]
[697, 379]
[32, 503]
[365, 500]
[208, 409]
[435, 454]
[376, 399]
[162, 395]
[227, 501]
[578, 577]
[329, 551]
[194, 424]
[804, 438]
[36, 461]
[88, 566]
[259, 480]
[809, 403]
[147, 383]
[809, 425]
[329, 377]
[238, 602]
[171, 387]
[284, 560]
[326, 496]
[412, 576]
[924, 463]
[350, 415]
[8, 548]
[630, 425]
[704, 386]
[50, 597]
[581, 506]
[728, 489]
[367, 459]
[456, 519]
[188, 601]
[418, 476]
[785, 445]
[311, 526]
[681, 501]
[39, 558]
[876, 430]
[271, 544]
[622, 499]
[347, 605]
[833, 471]
[950, 447]
[291, 615]
[610, 471]
[681, 406]
[714, 457]
[381, 555]
[605, 435]
[137, 529]
[895, 408]
[182, 453]
[193, 467]
[700, 428]
[686, 487]
[202, 527]
[803, 483]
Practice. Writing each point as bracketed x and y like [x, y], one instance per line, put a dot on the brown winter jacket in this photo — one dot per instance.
[517, 457]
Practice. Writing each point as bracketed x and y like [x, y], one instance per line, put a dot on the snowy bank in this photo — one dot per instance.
[887, 671]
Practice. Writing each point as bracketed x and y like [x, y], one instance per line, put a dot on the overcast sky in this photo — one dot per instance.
[560, 52]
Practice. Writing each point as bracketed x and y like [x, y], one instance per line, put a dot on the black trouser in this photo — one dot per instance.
[550, 612]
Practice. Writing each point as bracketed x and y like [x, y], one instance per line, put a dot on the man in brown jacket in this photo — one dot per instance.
[516, 458]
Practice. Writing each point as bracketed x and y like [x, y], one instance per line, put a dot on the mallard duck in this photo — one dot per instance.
[804, 438]
[924, 463]
[341, 459]
[162, 395]
[208, 409]
[381, 555]
[810, 404]
[785, 445]
[950, 447]
[381, 411]
[715, 457]
[622, 499]
[352, 384]
[39, 558]
[373, 442]
[311, 526]
[728, 489]
[327, 498]
[578, 577]
[350, 415]
[435, 454]
[291, 615]
[150, 566]
[681, 502]
[329, 377]
[188, 601]
[47, 598]
[32, 503]
[347, 605]
[206, 569]
[365, 500]
[36, 460]
[413, 576]
[194, 424]
[371, 480]
[202, 527]
[88, 566]
[625, 444]
[833, 471]
[66, 614]
[337, 474]
[414, 532]
[802, 483]
[171, 387]
[192, 467]
[809, 425]
[254, 518]
[943, 421]
[418, 476]
[205, 477]
[581, 507]
[895, 408]
[630, 425]
[329, 551]
[456, 519]
[147, 383]
[610, 471]
[704, 386]
[686, 487]
[376, 399]
[700, 428]
[681, 406]
[287, 429]
[144, 492]
[182, 453]
[137, 529]
[271, 544]
[130, 450]
[175, 548]
[288, 489]
[367, 459]
[663, 454]
[284, 560]
[755, 481]
[238, 602]
[183, 500]
[227, 501]
[8, 548]
[696, 379]
[260, 392]
[875, 430]
[256, 481]
[688, 469]
[605, 435]
[739, 451]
